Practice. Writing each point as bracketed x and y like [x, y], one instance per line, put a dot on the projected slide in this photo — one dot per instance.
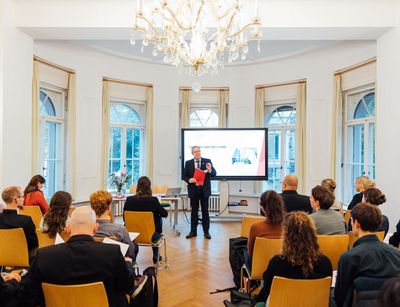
[235, 153]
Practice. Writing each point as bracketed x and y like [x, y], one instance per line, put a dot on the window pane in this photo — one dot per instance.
[124, 114]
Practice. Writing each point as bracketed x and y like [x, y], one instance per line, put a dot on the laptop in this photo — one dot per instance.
[173, 192]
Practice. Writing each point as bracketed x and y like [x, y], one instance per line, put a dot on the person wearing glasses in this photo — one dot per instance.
[9, 219]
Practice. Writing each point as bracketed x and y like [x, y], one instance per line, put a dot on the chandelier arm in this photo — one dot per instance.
[244, 29]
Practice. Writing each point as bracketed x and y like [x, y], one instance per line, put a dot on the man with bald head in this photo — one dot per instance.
[294, 201]
[80, 260]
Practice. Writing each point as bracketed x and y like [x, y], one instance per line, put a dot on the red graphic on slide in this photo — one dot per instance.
[261, 163]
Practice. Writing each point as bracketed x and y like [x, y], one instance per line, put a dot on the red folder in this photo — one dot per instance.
[199, 175]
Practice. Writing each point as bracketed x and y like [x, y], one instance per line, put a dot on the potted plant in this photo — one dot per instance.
[118, 181]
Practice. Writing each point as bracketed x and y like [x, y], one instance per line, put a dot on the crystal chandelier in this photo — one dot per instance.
[197, 36]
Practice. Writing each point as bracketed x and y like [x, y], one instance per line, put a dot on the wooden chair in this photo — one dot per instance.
[247, 221]
[347, 216]
[353, 238]
[143, 223]
[88, 295]
[333, 246]
[264, 250]
[300, 292]
[34, 212]
[44, 239]
[14, 248]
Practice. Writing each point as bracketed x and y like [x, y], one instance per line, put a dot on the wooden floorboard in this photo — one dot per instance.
[197, 266]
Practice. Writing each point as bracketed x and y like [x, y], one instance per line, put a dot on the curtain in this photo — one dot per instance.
[71, 134]
[105, 135]
[149, 132]
[35, 118]
[336, 131]
[259, 109]
[185, 96]
[301, 136]
[223, 100]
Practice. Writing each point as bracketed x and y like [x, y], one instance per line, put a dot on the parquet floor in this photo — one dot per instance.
[197, 266]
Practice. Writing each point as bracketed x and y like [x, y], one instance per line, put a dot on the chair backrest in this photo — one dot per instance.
[141, 222]
[353, 238]
[13, 248]
[300, 292]
[247, 221]
[264, 250]
[34, 212]
[347, 216]
[333, 246]
[88, 295]
[44, 239]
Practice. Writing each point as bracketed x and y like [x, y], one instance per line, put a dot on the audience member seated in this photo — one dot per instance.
[395, 238]
[34, 195]
[361, 184]
[9, 284]
[327, 222]
[369, 257]
[390, 294]
[100, 202]
[144, 201]
[330, 184]
[272, 208]
[14, 198]
[80, 260]
[374, 196]
[55, 219]
[300, 257]
[292, 200]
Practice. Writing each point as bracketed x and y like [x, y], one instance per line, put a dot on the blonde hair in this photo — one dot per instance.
[365, 182]
[100, 201]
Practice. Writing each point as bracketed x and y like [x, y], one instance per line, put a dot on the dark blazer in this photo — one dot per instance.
[189, 172]
[10, 219]
[80, 260]
[357, 198]
[296, 202]
[147, 204]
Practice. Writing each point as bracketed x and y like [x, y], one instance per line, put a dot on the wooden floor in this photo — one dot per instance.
[197, 266]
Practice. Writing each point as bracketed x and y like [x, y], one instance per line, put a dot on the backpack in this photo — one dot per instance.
[148, 297]
[237, 248]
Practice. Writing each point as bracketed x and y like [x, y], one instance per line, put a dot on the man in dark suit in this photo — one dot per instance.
[10, 219]
[199, 193]
[294, 201]
[80, 260]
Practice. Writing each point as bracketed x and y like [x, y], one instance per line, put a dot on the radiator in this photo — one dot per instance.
[214, 204]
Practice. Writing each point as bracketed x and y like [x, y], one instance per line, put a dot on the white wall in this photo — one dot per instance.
[16, 99]
[317, 67]
[388, 111]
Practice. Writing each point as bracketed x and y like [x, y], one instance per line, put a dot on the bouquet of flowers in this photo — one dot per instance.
[118, 180]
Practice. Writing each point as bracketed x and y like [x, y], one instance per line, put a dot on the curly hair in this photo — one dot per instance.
[273, 206]
[56, 217]
[300, 246]
[143, 188]
[374, 196]
[100, 201]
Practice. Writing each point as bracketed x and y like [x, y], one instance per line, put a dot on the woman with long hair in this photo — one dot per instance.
[272, 207]
[143, 200]
[374, 196]
[34, 195]
[55, 219]
[300, 257]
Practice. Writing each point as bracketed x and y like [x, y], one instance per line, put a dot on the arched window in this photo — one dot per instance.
[359, 142]
[126, 139]
[203, 118]
[52, 134]
[281, 123]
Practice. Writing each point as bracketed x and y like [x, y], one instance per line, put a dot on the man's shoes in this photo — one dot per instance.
[207, 236]
[138, 285]
[191, 235]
